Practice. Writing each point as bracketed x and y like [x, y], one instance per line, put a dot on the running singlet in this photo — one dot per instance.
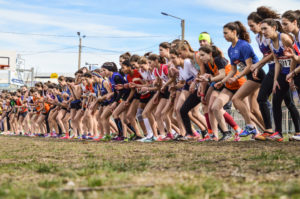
[19, 103]
[237, 84]
[219, 63]
[263, 44]
[113, 78]
[146, 75]
[240, 53]
[297, 44]
[283, 60]
[188, 72]
[162, 72]
[137, 78]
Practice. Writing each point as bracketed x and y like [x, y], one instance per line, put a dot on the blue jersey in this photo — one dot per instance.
[284, 61]
[240, 53]
[263, 44]
[112, 80]
[95, 87]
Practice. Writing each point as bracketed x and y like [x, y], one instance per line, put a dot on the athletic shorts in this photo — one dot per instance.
[165, 94]
[186, 87]
[212, 84]
[261, 75]
[146, 100]
[23, 114]
[76, 104]
[232, 91]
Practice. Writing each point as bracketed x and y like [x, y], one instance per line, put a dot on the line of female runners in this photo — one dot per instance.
[179, 94]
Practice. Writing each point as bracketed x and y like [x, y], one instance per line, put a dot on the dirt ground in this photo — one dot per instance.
[51, 168]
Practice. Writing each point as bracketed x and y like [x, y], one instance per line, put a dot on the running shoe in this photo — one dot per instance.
[65, 137]
[264, 136]
[276, 137]
[196, 134]
[296, 137]
[248, 131]
[206, 138]
[236, 137]
[162, 138]
[142, 139]
[226, 136]
[170, 136]
[98, 138]
[132, 136]
[126, 140]
[118, 138]
[149, 140]
[83, 137]
[106, 138]
[182, 138]
[135, 138]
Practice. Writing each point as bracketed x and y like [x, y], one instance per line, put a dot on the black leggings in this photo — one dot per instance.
[262, 99]
[191, 102]
[280, 95]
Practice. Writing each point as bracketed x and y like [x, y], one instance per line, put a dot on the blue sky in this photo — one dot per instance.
[114, 26]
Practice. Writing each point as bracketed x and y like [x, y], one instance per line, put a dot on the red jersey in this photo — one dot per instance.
[19, 103]
[137, 78]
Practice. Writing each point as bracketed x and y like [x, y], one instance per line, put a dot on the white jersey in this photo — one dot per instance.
[188, 72]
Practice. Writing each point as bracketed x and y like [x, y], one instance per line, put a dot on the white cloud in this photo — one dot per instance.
[62, 21]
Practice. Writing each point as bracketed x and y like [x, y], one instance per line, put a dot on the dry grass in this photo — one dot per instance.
[40, 168]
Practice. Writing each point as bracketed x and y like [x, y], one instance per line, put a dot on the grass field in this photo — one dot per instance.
[47, 168]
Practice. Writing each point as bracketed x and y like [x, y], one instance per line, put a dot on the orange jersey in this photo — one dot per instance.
[236, 85]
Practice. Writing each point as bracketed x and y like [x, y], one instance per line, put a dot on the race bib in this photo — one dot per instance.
[241, 66]
[285, 62]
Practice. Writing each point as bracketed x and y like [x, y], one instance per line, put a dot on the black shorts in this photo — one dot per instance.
[23, 114]
[76, 104]
[146, 100]
[186, 87]
[165, 94]
[261, 75]
[212, 84]
[232, 91]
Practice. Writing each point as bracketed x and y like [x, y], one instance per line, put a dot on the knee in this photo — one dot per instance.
[144, 114]
[157, 114]
[235, 100]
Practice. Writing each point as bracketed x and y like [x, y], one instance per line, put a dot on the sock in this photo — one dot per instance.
[119, 126]
[250, 125]
[173, 132]
[131, 128]
[208, 123]
[229, 120]
[148, 127]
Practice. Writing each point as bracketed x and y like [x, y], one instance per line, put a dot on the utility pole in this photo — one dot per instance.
[182, 23]
[182, 29]
[80, 47]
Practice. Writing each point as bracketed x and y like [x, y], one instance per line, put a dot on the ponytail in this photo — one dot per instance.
[262, 13]
[274, 23]
[211, 49]
[240, 29]
[185, 45]
[292, 16]
[154, 57]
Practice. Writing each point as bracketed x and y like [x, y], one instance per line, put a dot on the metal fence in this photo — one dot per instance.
[287, 122]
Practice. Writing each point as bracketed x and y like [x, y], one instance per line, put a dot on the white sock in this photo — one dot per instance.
[250, 125]
[173, 131]
[148, 127]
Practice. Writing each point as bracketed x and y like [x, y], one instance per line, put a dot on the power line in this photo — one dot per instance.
[91, 36]
[47, 51]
